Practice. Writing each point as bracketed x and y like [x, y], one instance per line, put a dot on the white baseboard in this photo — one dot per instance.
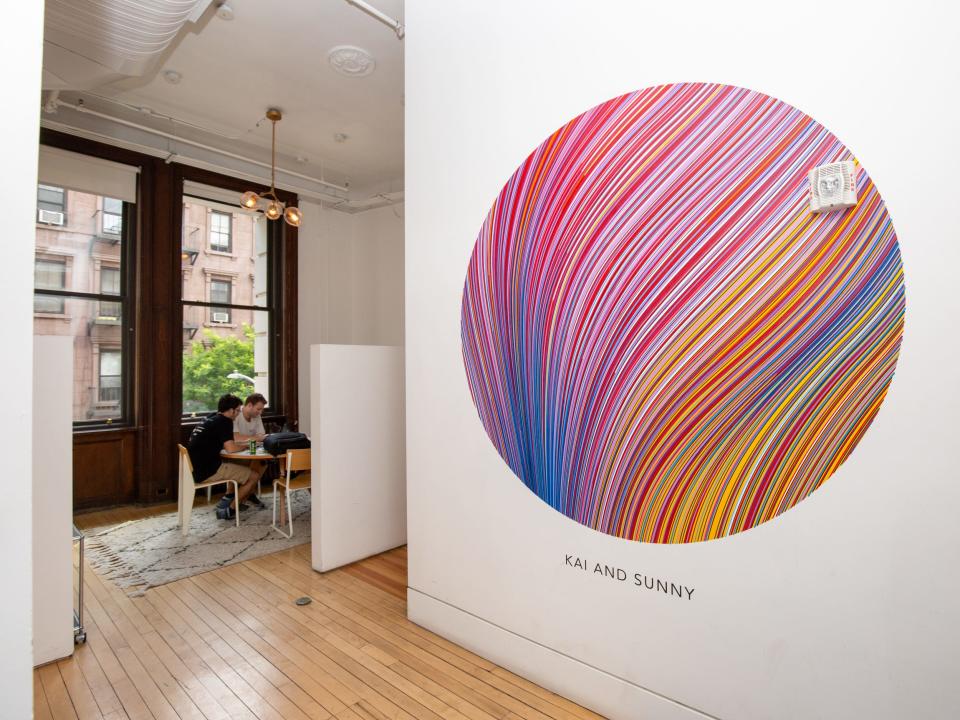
[586, 685]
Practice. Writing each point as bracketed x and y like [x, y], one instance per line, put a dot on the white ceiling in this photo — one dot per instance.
[274, 54]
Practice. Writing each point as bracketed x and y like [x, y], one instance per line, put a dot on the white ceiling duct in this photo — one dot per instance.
[89, 43]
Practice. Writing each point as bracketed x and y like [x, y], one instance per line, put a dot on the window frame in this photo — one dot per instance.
[104, 269]
[63, 286]
[102, 352]
[103, 217]
[127, 237]
[220, 306]
[149, 467]
[63, 200]
[229, 233]
[274, 301]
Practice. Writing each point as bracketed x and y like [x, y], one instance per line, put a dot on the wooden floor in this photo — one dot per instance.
[231, 644]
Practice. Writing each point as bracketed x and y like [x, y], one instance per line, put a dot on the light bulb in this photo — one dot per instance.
[273, 210]
[293, 216]
[249, 200]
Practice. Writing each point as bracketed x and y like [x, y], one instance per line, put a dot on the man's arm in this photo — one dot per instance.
[234, 446]
[237, 437]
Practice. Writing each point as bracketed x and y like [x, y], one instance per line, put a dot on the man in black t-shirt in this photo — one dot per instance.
[211, 436]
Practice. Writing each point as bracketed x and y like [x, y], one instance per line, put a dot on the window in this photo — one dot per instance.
[52, 199]
[81, 292]
[110, 285]
[51, 205]
[49, 275]
[220, 231]
[220, 293]
[120, 380]
[227, 304]
[112, 216]
[111, 377]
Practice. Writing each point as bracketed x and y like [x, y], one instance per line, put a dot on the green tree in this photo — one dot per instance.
[207, 365]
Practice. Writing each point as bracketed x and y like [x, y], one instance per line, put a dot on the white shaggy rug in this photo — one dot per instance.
[142, 554]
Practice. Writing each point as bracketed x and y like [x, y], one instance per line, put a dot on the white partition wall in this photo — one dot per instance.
[359, 485]
[23, 49]
[53, 498]
[844, 606]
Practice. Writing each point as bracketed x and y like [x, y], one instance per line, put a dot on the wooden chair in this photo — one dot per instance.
[188, 489]
[295, 460]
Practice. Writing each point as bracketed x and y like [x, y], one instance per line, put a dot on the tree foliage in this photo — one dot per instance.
[206, 366]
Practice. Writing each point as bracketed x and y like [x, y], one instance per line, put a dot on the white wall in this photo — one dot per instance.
[53, 492]
[843, 607]
[378, 294]
[350, 277]
[359, 489]
[21, 50]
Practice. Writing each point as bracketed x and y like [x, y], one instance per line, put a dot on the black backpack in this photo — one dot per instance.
[279, 443]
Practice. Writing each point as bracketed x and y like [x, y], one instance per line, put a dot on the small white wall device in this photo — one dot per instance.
[833, 187]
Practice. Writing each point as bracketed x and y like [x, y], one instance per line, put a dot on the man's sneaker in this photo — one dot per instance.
[226, 513]
[254, 500]
[225, 503]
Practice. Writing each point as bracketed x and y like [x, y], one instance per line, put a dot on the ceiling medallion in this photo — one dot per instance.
[275, 207]
[351, 61]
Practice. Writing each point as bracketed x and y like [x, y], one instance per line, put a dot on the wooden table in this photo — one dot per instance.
[261, 455]
[245, 456]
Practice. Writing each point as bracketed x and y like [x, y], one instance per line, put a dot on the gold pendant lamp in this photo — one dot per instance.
[275, 208]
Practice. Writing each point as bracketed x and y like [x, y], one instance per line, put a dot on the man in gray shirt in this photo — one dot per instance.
[248, 425]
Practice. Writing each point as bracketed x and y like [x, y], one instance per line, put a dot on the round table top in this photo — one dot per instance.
[261, 454]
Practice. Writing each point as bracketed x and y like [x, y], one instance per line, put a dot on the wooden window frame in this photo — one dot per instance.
[156, 425]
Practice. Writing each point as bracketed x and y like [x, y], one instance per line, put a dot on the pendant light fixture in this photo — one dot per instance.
[275, 209]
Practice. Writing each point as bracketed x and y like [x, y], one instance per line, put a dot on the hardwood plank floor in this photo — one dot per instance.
[231, 644]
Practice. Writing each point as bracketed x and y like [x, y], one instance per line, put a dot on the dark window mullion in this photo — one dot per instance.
[78, 295]
[201, 303]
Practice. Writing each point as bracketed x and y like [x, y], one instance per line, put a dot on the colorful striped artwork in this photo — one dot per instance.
[661, 340]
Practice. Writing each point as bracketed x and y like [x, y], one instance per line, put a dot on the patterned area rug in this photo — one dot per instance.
[141, 554]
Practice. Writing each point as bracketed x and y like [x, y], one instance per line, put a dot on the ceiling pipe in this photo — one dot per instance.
[153, 113]
[79, 107]
[50, 106]
[381, 16]
[330, 202]
[326, 200]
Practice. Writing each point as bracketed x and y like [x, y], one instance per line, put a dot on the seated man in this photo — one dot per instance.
[248, 425]
[211, 436]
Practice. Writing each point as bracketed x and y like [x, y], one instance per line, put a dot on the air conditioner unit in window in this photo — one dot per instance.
[50, 217]
[221, 317]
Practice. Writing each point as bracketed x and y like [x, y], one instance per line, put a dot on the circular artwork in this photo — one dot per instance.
[662, 341]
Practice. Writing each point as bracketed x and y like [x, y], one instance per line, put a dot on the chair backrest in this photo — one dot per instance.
[185, 464]
[298, 460]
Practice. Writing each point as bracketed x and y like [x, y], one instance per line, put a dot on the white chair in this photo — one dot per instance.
[188, 491]
[295, 460]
